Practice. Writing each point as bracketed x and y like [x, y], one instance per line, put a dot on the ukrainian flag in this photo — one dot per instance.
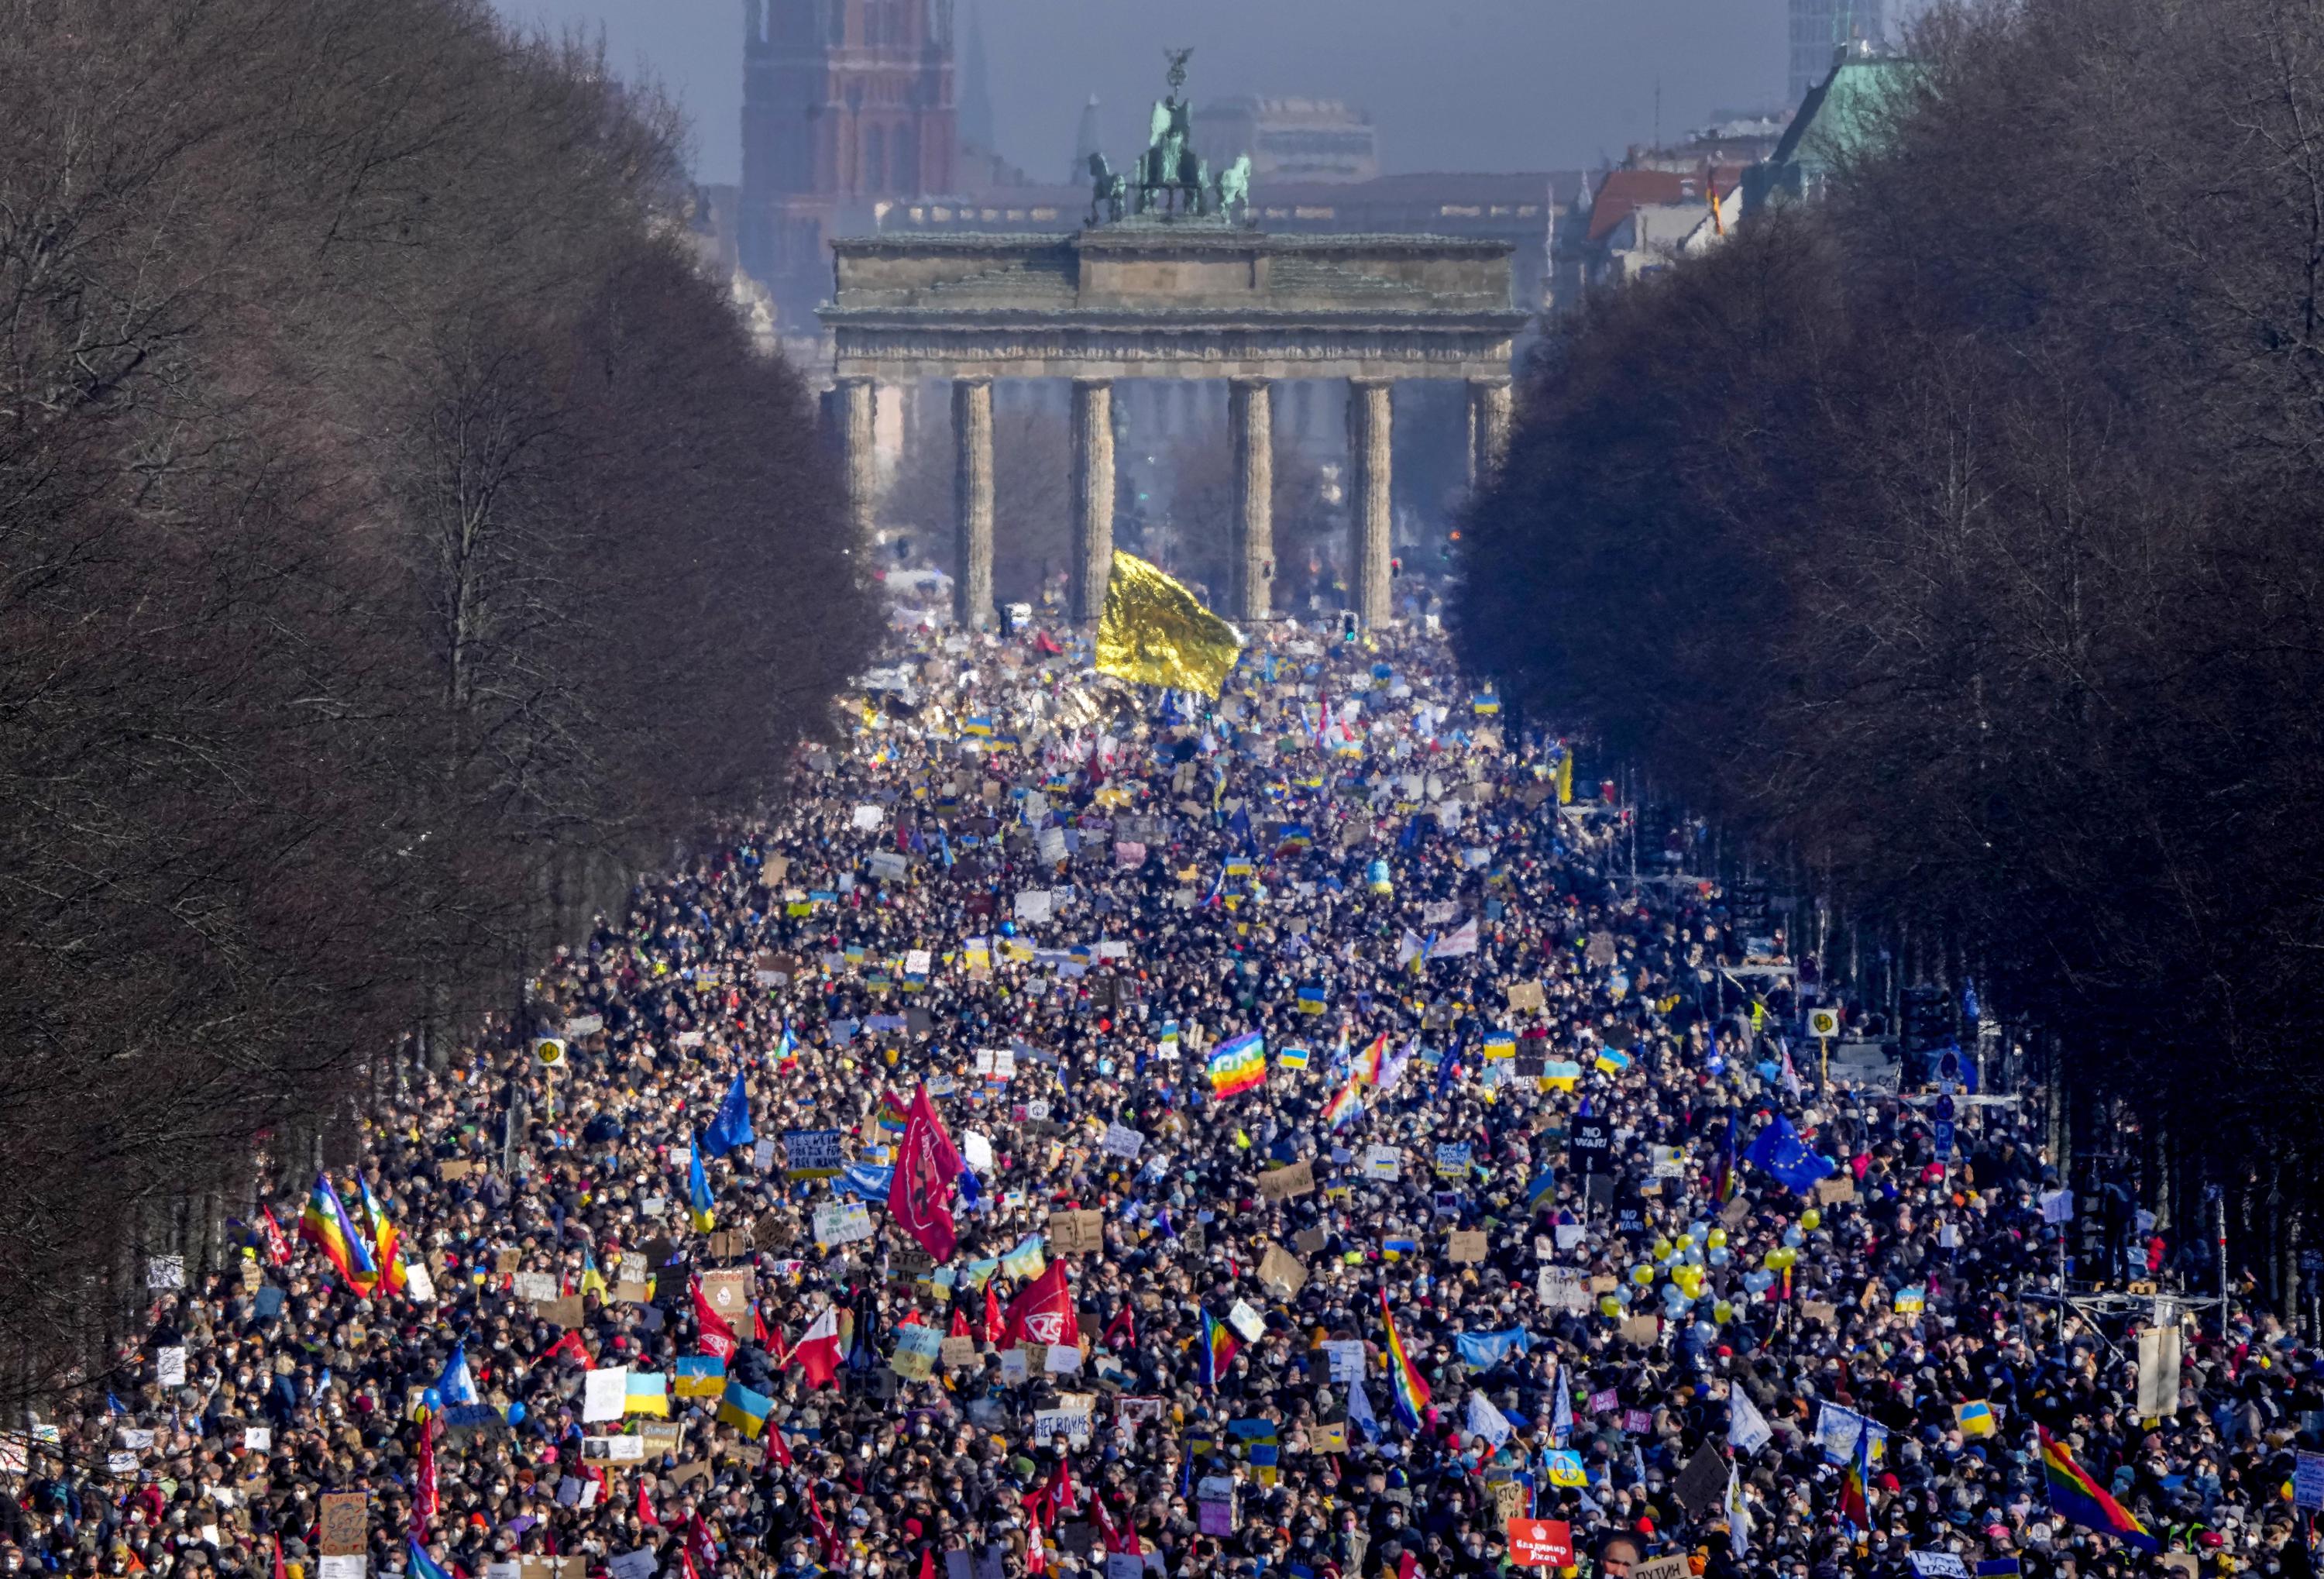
[697, 1190]
[1312, 1001]
[700, 1376]
[1292, 1059]
[648, 1393]
[745, 1410]
[1542, 1194]
[1485, 703]
[978, 724]
[1612, 1060]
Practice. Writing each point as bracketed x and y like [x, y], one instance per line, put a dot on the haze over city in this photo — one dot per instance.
[1484, 85]
[1199, 789]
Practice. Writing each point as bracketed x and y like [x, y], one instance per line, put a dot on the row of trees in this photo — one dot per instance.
[1961, 538]
[399, 541]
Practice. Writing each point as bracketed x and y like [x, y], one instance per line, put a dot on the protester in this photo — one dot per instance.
[1647, 1282]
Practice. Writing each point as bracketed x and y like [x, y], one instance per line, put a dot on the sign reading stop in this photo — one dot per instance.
[1541, 1543]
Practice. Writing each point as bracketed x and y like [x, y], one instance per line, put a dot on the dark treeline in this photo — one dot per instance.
[400, 542]
[1959, 538]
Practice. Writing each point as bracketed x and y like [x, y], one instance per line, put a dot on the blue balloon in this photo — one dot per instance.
[516, 1413]
[1718, 1255]
[432, 1400]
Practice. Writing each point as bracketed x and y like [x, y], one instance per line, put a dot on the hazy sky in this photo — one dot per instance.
[1452, 83]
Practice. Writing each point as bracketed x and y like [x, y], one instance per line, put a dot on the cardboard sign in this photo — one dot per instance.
[728, 1292]
[343, 1531]
[1328, 1438]
[1642, 1330]
[1284, 1183]
[1702, 1485]
[1310, 1242]
[1673, 1567]
[564, 1312]
[1467, 1246]
[958, 1353]
[1281, 1273]
[1526, 995]
[1541, 1543]
[1077, 1233]
[1839, 1190]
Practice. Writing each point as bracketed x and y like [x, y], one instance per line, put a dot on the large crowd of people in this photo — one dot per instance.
[1518, 1237]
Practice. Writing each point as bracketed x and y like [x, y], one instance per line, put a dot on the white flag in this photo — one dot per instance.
[1459, 942]
[2058, 1206]
[1409, 949]
[1747, 1430]
[1359, 1411]
[1738, 1515]
[1486, 1421]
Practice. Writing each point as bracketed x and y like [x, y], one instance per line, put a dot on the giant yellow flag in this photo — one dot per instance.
[1156, 632]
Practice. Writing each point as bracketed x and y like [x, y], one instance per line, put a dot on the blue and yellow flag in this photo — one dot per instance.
[697, 1190]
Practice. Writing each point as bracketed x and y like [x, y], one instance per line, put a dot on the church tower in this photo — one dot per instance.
[846, 103]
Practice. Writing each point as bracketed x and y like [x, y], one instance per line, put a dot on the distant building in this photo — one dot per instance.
[1294, 139]
[1820, 26]
[846, 103]
[1840, 115]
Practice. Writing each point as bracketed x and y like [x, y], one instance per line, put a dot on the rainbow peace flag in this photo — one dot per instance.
[386, 1240]
[1219, 1346]
[2074, 1496]
[422, 1565]
[893, 1113]
[1411, 1392]
[325, 1225]
[1344, 1105]
[1368, 1066]
[1239, 1066]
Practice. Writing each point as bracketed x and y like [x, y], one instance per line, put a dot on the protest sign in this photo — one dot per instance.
[1286, 1183]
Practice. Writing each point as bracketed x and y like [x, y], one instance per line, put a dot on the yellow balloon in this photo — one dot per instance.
[1608, 1306]
[1719, 1239]
[1643, 1276]
[1662, 1249]
[1780, 1257]
[1812, 1219]
[1722, 1313]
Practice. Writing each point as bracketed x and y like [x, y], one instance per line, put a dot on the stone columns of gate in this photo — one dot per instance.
[1093, 550]
[1489, 428]
[972, 431]
[1252, 557]
[1371, 428]
[857, 456]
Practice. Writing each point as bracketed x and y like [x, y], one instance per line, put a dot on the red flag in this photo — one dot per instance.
[780, 1449]
[1121, 1329]
[993, 1323]
[278, 1248]
[701, 1543]
[927, 1562]
[834, 1554]
[279, 1571]
[717, 1336]
[921, 1188]
[646, 1514]
[960, 1324]
[571, 1344]
[1043, 1312]
[425, 1500]
[757, 1325]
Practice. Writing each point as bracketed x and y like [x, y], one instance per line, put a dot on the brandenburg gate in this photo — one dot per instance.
[1176, 288]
